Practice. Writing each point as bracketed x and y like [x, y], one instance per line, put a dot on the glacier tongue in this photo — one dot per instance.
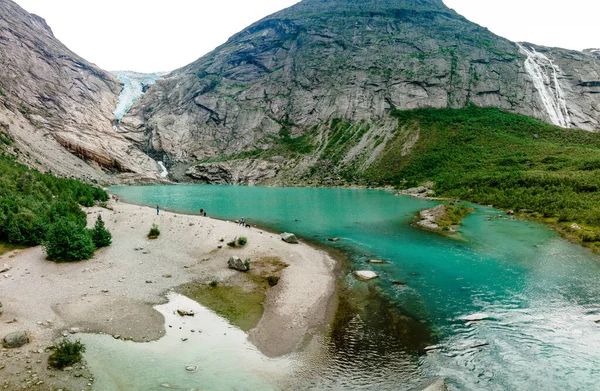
[544, 74]
[133, 89]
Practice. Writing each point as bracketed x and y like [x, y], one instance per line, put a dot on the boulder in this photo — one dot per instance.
[191, 368]
[15, 340]
[333, 239]
[185, 313]
[365, 275]
[289, 238]
[475, 317]
[5, 268]
[236, 263]
[376, 261]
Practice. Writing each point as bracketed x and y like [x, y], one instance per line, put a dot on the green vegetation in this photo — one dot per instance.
[511, 161]
[100, 235]
[36, 208]
[66, 353]
[68, 241]
[154, 232]
[242, 241]
[242, 308]
[453, 216]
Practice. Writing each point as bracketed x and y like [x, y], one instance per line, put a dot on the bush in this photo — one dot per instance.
[232, 243]
[66, 353]
[213, 283]
[242, 241]
[68, 242]
[154, 232]
[100, 235]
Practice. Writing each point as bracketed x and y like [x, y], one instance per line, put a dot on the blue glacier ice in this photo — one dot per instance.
[133, 89]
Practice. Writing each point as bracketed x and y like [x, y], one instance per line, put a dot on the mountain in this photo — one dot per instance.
[55, 107]
[320, 78]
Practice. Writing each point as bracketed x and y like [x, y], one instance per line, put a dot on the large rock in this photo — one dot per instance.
[5, 268]
[429, 217]
[289, 238]
[236, 263]
[365, 275]
[15, 340]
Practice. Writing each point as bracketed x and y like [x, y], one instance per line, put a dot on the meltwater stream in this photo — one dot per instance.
[511, 305]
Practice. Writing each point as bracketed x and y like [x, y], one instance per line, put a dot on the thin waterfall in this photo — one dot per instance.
[163, 170]
[544, 74]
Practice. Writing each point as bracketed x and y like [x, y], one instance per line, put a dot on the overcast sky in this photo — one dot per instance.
[155, 35]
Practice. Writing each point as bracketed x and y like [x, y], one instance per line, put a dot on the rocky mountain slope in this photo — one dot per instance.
[326, 73]
[55, 107]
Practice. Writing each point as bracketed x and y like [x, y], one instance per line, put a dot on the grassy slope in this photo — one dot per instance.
[512, 161]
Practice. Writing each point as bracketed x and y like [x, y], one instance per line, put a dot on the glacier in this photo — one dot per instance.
[133, 89]
[544, 74]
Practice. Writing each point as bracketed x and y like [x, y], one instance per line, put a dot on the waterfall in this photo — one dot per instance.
[163, 170]
[544, 74]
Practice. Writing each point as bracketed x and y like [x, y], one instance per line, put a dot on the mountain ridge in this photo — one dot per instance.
[55, 107]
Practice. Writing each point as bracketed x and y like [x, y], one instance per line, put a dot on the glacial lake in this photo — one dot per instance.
[536, 298]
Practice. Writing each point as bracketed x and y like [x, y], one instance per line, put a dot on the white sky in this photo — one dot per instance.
[154, 35]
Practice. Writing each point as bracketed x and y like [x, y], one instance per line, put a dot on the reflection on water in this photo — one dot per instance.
[541, 294]
[225, 360]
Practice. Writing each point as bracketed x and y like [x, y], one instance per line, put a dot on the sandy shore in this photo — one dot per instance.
[114, 292]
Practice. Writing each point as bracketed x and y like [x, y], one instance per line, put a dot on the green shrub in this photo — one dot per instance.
[68, 241]
[100, 235]
[154, 232]
[213, 283]
[272, 280]
[66, 353]
[242, 241]
[30, 202]
[232, 243]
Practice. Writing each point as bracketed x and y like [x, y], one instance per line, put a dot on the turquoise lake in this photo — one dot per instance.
[536, 297]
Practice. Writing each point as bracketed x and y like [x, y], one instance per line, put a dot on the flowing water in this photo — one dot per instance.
[508, 305]
[544, 74]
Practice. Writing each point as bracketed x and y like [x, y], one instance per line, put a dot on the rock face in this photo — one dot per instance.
[320, 66]
[289, 238]
[239, 172]
[430, 216]
[55, 107]
[15, 340]
[236, 263]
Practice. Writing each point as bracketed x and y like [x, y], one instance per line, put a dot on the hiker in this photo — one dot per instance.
[242, 222]
[157, 210]
[201, 212]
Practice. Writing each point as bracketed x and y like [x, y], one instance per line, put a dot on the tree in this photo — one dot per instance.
[100, 235]
[68, 241]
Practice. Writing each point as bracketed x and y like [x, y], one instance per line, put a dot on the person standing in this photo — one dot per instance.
[157, 210]
[242, 222]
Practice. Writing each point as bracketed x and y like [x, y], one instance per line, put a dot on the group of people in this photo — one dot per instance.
[202, 211]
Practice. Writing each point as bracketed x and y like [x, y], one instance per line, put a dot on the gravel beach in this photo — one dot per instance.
[115, 291]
